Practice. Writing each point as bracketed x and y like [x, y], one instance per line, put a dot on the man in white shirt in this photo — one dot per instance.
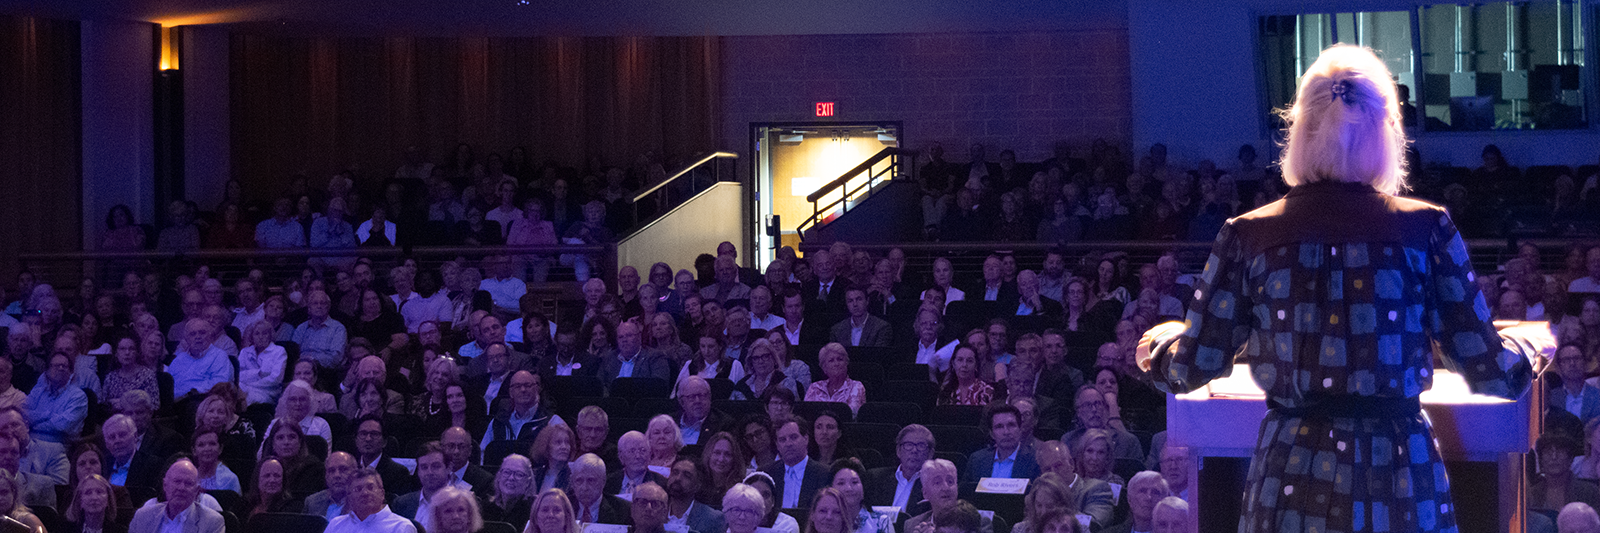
[180, 513]
[367, 511]
[1590, 283]
[761, 316]
[504, 289]
[251, 308]
[199, 364]
[929, 351]
[900, 486]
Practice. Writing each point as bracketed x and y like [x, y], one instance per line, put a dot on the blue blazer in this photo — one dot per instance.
[981, 463]
[1591, 401]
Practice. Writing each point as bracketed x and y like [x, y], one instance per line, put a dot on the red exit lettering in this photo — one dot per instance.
[824, 109]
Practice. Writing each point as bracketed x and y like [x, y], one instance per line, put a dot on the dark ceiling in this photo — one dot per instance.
[594, 17]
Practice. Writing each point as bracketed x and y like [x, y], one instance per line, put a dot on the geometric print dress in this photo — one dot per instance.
[1335, 295]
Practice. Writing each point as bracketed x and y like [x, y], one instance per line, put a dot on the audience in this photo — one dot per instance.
[182, 489]
[367, 509]
[838, 387]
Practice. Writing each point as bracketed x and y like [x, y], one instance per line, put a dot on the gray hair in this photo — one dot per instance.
[587, 463]
[1150, 476]
[741, 491]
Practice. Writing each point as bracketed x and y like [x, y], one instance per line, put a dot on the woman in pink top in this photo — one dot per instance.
[838, 387]
[532, 230]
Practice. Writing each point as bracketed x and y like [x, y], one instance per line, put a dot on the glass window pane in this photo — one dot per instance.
[1502, 65]
[1291, 43]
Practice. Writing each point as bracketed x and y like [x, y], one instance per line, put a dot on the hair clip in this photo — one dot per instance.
[1341, 91]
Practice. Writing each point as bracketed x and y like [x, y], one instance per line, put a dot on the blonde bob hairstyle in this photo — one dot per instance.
[1356, 137]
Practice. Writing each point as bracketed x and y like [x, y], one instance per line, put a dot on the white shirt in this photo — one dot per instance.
[174, 524]
[504, 217]
[1575, 403]
[935, 356]
[493, 391]
[243, 318]
[1585, 284]
[855, 331]
[769, 323]
[793, 476]
[418, 310]
[793, 335]
[384, 521]
[953, 294]
[506, 292]
[902, 488]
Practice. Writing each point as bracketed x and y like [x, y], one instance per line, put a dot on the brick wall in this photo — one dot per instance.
[1021, 91]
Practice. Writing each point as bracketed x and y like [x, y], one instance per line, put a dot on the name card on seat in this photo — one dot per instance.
[1003, 485]
[603, 528]
[890, 510]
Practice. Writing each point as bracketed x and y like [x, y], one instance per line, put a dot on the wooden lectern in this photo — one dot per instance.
[1224, 418]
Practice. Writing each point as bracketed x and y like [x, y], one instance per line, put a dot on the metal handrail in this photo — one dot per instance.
[892, 153]
[273, 253]
[863, 167]
[686, 169]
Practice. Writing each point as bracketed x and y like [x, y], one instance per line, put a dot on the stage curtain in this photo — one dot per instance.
[314, 105]
[40, 136]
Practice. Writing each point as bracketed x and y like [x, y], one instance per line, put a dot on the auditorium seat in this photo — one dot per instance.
[569, 386]
[924, 392]
[868, 373]
[896, 413]
[810, 410]
[869, 435]
[961, 440]
[277, 522]
[634, 388]
[907, 372]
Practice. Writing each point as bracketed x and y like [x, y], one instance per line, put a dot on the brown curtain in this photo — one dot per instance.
[40, 136]
[314, 105]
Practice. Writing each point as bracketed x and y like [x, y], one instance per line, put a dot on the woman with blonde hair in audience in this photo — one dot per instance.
[743, 507]
[552, 513]
[665, 338]
[665, 440]
[219, 412]
[453, 510]
[92, 509]
[795, 369]
[838, 387]
[438, 372]
[261, 363]
[511, 501]
[1094, 459]
[551, 451]
[11, 502]
[961, 385]
[725, 466]
[1046, 494]
[270, 493]
[828, 513]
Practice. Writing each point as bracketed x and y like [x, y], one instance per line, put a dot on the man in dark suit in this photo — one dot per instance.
[682, 487]
[457, 445]
[979, 168]
[824, 295]
[697, 421]
[591, 504]
[632, 359]
[566, 359]
[496, 367]
[860, 328]
[371, 438]
[797, 327]
[901, 486]
[329, 503]
[127, 464]
[633, 451]
[491, 332]
[524, 416]
[433, 473]
[994, 287]
[155, 438]
[1007, 457]
[1029, 301]
[796, 476]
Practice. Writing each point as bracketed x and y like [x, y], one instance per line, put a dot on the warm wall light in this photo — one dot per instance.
[171, 45]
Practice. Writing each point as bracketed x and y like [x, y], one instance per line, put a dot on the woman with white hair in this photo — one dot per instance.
[665, 440]
[744, 508]
[261, 364]
[296, 407]
[453, 510]
[1341, 289]
[512, 498]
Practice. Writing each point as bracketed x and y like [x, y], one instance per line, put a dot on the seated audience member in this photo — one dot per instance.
[848, 478]
[712, 361]
[371, 441]
[1046, 494]
[665, 338]
[458, 455]
[567, 359]
[860, 328]
[29, 489]
[829, 514]
[941, 489]
[1557, 487]
[962, 385]
[633, 452]
[367, 509]
[12, 505]
[774, 519]
[321, 338]
[92, 508]
[333, 501]
[261, 365]
[39, 457]
[762, 372]
[594, 505]
[182, 487]
[1090, 496]
[1029, 301]
[1090, 405]
[932, 350]
[1591, 282]
[1175, 469]
[994, 287]
[302, 471]
[1094, 459]
[761, 315]
[504, 289]
[456, 511]
[665, 440]
[727, 286]
[744, 508]
[901, 485]
[794, 327]
[269, 495]
[696, 419]
[370, 368]
[208, 460]
[375, 320]
[511, 501]
[1006, 457]
[825, 437]
[130, 372]
[632, 359]
[295, 409]
[1057, 379]
[10, 395]
[551, 452]
[432, 475]
[1145, 490]
[1575, 395]
[593, 429]
[649, 508]
[525, 415]
[56, 408]
[1171, 515]
[682, 488]
[795, 369]
[725, 466]
[755, 437]
[305, 370]
[797, 476]
[838, 387]
[127, 464]
[1578, 517]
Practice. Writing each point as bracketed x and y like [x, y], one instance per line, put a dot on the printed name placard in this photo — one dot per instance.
[1003, 485]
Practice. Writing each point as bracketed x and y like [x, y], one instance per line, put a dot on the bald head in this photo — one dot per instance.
[182, 485]
[1578, 517]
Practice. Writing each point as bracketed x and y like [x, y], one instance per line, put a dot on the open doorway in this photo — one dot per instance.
[792, 160]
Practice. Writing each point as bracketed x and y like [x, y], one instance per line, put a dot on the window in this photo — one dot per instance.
[1493, 66]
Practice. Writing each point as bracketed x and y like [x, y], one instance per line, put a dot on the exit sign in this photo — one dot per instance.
[824, 109]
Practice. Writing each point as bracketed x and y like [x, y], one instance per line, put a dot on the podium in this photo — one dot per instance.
[1224, 418]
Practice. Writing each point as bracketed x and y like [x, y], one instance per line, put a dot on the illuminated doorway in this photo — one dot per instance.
[792, 160]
